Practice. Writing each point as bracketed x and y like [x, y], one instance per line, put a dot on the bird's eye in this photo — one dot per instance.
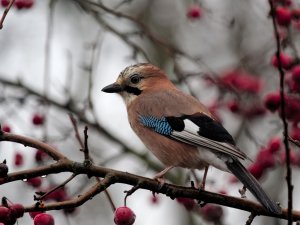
[135, 79]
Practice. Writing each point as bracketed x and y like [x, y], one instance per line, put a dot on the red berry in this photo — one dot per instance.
[20, 4]
[35, 181]
[233, 106]
[124, 216]
[39, 156]
[5, 3]
[274, 145]
[292, 108]
[57, 195]
[3, 170]
[28, 3]
[241, 81]
[296, 74]
[212, 213]
[34, 214]
[256, 170]
[43, 219]
[19, 159]
[272, 101]
[283, 16]
[194, 12]
[265, 158]
[38, 119]
[295, 134]
[293, 157]
[17, 210]
[5, 214]
[188, 203]
[6, 128]
[286, 61]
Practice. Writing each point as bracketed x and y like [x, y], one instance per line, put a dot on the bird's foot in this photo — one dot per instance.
[160, 180]
[160, 176]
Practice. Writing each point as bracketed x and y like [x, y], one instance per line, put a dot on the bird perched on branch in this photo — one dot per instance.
[178, 129]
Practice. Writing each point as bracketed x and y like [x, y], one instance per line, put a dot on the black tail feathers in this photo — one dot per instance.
[253, 186]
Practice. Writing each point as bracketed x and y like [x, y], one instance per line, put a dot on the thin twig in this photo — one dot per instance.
[26, 141]
[74, 123]
[295, 142]
[6, 12]
[57, 187]
[250, 219]
[86, 147]
[283, 116]
[47, 80]
[86, 155]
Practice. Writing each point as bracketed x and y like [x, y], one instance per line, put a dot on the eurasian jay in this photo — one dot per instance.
[178, 129]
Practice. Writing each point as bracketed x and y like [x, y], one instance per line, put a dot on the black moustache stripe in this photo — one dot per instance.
[132, 90]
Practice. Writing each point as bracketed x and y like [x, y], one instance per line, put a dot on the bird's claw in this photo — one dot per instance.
[161, 181]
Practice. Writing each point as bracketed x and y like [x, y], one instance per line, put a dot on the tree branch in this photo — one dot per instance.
[113, 176]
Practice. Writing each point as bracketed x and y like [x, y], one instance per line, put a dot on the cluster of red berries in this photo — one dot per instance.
[37, 119]
[124, 216]
[272, 100]
[286, 14]
[19, 4]
[266, 158]
[10, 213]
[39, 158]
[241, 81]
[242, 84]
[269, 157]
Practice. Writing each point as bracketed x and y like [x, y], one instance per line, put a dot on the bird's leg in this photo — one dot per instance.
[159, 176]
[202, 186]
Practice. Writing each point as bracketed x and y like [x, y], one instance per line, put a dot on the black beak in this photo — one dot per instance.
[112, 88]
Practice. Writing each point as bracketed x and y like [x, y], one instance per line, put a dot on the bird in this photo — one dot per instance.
[178, 129]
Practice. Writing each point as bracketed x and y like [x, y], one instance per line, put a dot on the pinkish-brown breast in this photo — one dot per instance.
[162, 104]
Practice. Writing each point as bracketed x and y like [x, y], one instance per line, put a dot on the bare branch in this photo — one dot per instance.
[6, 12]
[283, 116]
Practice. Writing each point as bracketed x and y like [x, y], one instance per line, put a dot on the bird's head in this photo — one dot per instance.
[137, 79]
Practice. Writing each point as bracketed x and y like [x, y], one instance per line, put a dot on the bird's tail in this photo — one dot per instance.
[253, 186]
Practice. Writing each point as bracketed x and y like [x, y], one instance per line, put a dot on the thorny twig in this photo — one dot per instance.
[74, 124]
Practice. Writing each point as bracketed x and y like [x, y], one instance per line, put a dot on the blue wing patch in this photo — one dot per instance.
[159, 125]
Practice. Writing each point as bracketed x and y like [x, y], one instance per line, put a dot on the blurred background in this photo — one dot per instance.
[56, 56]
